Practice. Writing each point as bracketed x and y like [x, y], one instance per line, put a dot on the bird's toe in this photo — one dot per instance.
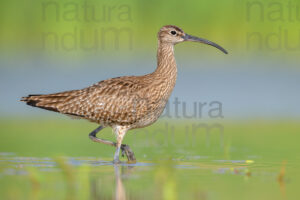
[116, 161]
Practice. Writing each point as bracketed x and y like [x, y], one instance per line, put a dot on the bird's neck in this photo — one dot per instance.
[166, 64]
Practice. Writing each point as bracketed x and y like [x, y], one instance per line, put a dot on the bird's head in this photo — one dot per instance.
[174, 35]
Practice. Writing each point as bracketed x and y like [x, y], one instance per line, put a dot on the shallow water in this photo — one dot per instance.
[251, 160]
[198, 177]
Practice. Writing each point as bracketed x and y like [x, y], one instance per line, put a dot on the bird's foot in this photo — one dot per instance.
[128, 152]
[116, 161]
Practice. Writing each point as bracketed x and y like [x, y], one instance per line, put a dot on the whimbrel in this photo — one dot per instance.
[127, 102]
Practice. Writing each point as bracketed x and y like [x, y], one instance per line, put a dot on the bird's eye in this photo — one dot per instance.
[173, 32]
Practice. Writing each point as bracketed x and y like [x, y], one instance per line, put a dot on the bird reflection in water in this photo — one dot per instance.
[120, 189]
[101, 185]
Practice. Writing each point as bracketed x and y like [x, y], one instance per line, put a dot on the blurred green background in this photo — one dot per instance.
[243, 27]
[245, 146]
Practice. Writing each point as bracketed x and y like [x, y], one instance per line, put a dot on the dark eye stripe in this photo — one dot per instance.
[173, 32]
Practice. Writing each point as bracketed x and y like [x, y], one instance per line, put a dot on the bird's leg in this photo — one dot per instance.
[120, 135]
[124, 148]
[93, 137]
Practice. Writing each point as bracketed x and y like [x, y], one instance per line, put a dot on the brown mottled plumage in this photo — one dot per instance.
[123, 103]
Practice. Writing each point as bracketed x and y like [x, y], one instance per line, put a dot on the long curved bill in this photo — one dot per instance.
[187, 37]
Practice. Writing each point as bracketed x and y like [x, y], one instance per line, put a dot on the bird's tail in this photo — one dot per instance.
[52, 102]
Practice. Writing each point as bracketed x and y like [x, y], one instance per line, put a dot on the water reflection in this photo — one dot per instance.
[115, 183]
[120, 189]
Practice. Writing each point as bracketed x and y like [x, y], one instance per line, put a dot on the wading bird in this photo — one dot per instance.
[127, 102]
